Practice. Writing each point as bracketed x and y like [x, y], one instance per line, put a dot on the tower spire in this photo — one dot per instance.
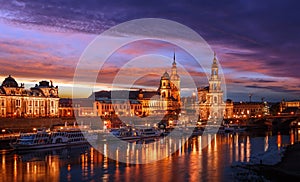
[215, 57]
[174, 58]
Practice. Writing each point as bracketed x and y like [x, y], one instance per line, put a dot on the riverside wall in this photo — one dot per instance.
[25, 124]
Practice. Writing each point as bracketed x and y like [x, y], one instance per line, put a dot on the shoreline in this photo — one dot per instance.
[287, 168]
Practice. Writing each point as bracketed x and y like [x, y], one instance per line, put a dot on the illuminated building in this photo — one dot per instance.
[175, 81]
[289, 107]
[107, 105]
[211, 102]
[66, 108]
[166, 99]
[250, 109]
[39, 101]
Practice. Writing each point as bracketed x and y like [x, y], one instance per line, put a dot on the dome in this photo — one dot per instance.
[175, 77]
[165, 76]
[9, 82]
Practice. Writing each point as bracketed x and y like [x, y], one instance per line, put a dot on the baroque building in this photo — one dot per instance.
[175, 80]
[211, 104]
[39, 101]
[165, 100]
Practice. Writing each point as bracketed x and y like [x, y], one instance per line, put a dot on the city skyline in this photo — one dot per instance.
[258, 53]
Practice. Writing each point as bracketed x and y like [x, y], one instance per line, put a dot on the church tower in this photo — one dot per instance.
[175, 80]
[215, 94]
[215, 81]
[212, 109]
[165, 86]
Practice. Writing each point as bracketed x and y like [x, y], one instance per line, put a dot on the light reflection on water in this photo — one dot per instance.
[191, 162]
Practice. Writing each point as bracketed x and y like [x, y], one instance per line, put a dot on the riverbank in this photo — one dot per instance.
[288, 168]
[12, 125]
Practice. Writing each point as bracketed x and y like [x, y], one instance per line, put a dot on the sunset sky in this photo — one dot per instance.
[257, 42]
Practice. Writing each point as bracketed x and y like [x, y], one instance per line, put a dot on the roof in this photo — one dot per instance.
[248, 103]
[83, 102]
[165, 76]
[122, 94]
[10, 82]
[150, 94]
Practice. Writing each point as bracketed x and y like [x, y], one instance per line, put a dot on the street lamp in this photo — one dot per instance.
[3, 132]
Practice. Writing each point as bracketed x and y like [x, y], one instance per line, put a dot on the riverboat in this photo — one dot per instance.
[234, 128]
[48, 139]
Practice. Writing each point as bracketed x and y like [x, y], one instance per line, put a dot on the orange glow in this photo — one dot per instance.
[15, 166]
[248, 149]
[292, 136]
[279, 140]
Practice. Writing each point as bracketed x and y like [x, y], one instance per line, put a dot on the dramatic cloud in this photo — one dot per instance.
[256, 41]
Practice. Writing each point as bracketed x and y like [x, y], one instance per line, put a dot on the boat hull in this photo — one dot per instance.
[44, 146]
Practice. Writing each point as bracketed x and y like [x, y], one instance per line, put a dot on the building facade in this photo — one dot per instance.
[289, 107]
[175, 81]
[211, 104]
[166, 99]
[250, 110]
[39, 101]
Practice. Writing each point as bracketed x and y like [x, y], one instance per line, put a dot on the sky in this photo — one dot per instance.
[256, 42]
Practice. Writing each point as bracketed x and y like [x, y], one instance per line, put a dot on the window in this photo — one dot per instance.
[18, 103]
[214, 86]
[215, 99]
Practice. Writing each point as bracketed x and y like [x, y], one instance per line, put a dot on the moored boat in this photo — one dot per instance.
[127, 134]
[234, 128]
[48, 139]
[149, 133]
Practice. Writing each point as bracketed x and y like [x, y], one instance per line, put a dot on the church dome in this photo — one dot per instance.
[175, 77]
[9, 82]
[165, 76]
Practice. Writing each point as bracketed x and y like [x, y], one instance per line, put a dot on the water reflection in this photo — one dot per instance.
[206, 157]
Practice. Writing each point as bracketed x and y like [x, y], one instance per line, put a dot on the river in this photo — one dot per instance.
[192, 162]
